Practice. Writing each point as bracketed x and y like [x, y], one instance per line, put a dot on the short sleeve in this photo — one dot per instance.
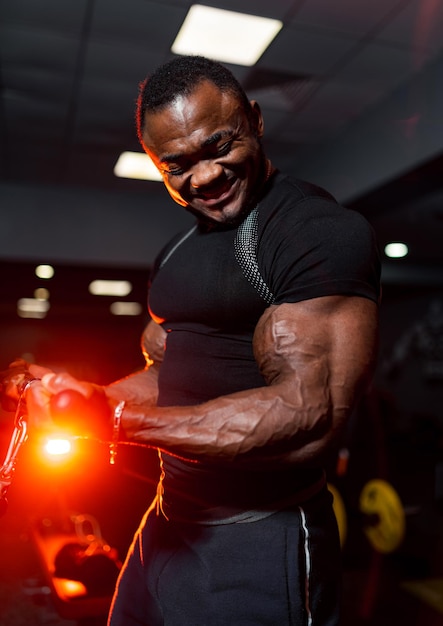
[318, 248]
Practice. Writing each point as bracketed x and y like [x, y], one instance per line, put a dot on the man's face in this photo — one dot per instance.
[208, 152]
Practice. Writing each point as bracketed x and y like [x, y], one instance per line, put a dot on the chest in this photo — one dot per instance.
[201, 282]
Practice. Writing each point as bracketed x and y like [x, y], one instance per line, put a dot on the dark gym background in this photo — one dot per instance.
[352, 98]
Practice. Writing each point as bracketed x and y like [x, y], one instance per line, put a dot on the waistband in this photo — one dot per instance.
[215, 516]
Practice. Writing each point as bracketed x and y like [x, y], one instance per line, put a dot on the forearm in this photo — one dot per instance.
[139, 388]
[250, 427]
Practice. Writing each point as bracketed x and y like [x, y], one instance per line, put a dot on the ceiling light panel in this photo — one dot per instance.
[225, 36]
[31, 307]
[118, 288]
[126, 308]
[137, 165]
[396, 250]
[44, 271]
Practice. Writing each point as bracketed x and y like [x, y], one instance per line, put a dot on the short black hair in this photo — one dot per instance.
[179, 77]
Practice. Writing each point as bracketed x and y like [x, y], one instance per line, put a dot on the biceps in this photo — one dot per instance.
[320, 351]
[153, 343]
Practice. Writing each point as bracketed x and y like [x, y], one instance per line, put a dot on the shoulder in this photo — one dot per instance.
[309, 245]
[292, 204]
[287, 189]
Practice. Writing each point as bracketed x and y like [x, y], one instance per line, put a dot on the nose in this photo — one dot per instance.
[205, 174]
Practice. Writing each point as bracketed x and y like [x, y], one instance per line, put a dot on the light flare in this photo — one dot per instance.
[60, 446]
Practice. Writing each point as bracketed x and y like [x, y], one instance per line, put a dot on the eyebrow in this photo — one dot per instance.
[169, 158]
[216, 137]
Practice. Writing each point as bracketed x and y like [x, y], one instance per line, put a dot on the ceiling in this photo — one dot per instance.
[350, 92]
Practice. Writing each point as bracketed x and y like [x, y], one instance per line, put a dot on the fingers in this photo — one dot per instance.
[37, 371]
[12, 380]
[55, 383]
[18, 364]
[38, 407]
[59, 401]
[56, 399]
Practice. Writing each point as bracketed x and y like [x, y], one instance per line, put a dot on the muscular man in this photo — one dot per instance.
[263, 337]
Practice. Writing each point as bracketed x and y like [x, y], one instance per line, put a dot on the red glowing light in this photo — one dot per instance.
[57, 449]
[68, 589]
[58, 446]
[80, 415]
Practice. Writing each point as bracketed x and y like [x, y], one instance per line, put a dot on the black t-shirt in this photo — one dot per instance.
[305, 245]
[210, 287]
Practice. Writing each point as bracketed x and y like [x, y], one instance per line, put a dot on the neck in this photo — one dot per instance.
[267, 170]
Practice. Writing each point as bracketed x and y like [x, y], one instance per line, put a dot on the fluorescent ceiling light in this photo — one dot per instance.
[136, 165]
[44, 271]
[126, 308]
[118, 288]
[31, 307]
[396, 250]
[225, 36]
[41, 294]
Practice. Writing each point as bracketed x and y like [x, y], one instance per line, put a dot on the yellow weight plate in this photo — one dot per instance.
[385, 524]
[340, 513]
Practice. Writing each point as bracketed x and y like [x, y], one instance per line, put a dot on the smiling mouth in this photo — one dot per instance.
[216, 196]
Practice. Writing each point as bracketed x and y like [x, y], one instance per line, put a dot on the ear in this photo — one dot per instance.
[257, 119]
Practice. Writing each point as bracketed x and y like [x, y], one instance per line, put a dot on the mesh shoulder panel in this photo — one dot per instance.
[245, 245]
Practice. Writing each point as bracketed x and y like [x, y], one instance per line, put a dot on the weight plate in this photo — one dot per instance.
[384, 525]
[340, 513]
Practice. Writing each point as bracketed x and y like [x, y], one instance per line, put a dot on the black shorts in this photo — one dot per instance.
[281, 570]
